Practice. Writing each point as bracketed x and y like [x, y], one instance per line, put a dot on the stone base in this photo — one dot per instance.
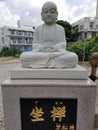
[67, 73]
[82, 90]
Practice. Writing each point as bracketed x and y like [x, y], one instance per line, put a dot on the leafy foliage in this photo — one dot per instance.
[70, 35]
[67, 27]
[74, 36]
[6, 51]
[84, 49]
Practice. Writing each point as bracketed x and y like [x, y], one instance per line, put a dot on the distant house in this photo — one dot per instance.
[87, 27]
[20, 37]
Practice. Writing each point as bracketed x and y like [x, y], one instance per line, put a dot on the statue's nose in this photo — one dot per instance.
[49, 13]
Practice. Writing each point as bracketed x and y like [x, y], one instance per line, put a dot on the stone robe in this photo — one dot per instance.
[49, 49]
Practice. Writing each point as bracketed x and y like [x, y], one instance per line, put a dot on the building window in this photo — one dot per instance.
[19, 40]
[85, 35]
[26, 40]
[19, 32]
[81, 36]
[13, 40]
[91, 25]
[81, 27]
[30, 40]
[93, 34]
[26, 33]
[2, 39]
[97, 26]
[31, 34]
[13, 32]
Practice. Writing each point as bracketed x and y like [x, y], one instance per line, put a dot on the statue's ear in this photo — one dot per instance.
[57, 15]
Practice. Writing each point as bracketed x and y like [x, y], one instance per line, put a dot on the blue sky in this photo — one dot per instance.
[29, 10]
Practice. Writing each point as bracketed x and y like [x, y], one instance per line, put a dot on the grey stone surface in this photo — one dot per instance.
[83, 90]
[66, 73]
[5, 73]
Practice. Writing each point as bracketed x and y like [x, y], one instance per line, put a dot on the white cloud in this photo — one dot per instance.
[12, 10]
[6, 18]
[93, 4]
[89, 0]
[74, 9]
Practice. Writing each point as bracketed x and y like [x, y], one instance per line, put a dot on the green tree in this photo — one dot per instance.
[67, 27]
[71, 36]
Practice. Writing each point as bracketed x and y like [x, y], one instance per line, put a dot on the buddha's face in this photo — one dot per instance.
[49, 13]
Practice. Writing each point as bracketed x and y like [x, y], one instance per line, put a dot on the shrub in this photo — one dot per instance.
[85, 48]
[6, 51]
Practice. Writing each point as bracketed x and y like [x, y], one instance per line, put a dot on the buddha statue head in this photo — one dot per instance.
[49, 13]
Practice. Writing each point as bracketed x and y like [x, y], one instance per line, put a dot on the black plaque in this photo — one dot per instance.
[48, 114]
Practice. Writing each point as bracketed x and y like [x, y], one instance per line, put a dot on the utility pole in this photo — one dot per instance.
[96, 9]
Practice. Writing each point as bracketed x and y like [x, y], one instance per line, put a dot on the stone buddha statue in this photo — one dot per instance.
[49, 45]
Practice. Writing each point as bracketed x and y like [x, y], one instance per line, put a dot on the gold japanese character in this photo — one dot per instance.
[58, 112]
[58, 126]
[72, 127]
[37, 114]
[64, 127]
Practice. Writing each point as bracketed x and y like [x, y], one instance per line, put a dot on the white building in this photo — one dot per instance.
[18, 37]
[87, 27]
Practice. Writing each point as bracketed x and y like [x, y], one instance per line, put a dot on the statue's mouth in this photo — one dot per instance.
[49, 19]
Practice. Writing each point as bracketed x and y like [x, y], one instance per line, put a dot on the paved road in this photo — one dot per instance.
[5, 70]
[5, 73]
